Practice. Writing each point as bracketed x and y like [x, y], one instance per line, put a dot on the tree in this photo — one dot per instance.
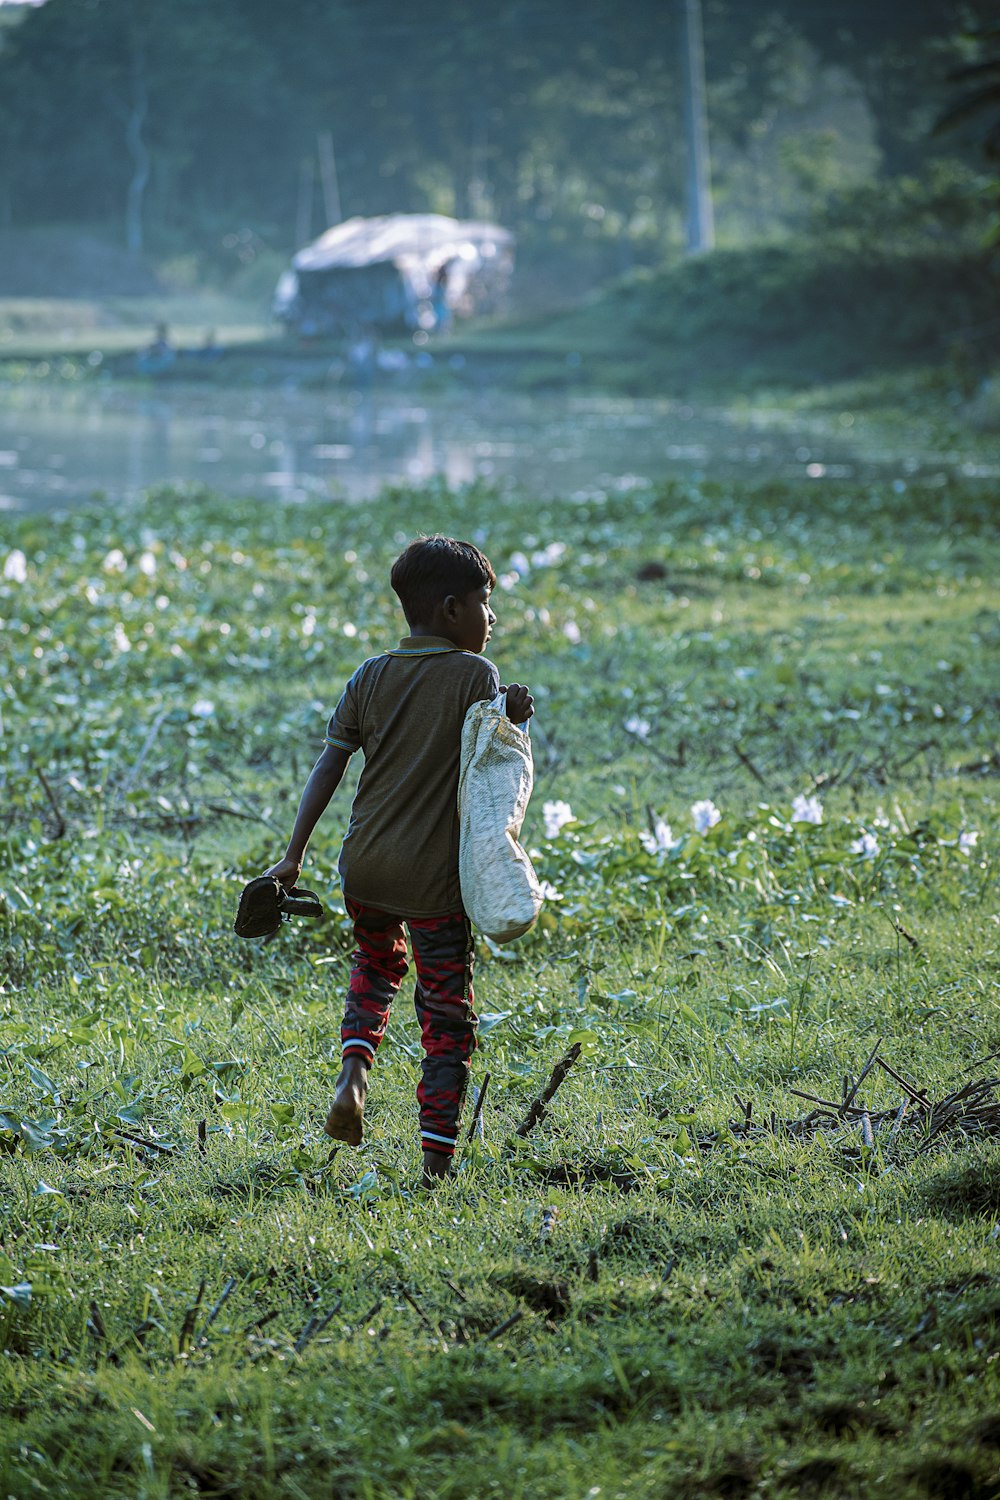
[978, 104]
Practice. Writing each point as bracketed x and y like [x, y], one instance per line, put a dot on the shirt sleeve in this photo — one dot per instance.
[486, 684]
[343, 730]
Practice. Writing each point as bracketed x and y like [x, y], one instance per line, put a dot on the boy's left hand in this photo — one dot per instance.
[520, 703]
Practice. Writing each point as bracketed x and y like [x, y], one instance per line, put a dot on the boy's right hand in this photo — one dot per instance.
[286, 872]
[520, 703]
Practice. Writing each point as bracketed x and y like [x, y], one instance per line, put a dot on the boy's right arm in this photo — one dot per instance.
[324, 779]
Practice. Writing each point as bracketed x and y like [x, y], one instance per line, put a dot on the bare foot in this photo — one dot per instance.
[345, 1122]
[436, 1167]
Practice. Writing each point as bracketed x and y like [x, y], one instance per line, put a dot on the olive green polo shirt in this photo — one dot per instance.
[405, 710]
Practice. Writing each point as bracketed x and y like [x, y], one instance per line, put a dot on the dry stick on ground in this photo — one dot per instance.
[478, 1107]
[133, 775]
[220, 1304]
[417, 1309]
[220, 809]
[897, 1122]
[190, 1318]
[914, 1093]
[834, 1109]
[981, 1061]
[424, 1319]
[869, 1064]
[314, 1327]
[251, 812]
[495, 1333]
[537, 1111]
[745, 760]
[651, 749]
[96, 1323]
[138, 1336]
[902, 932]
[139, 1140]
[261, 1321]
[50, 794]
[729, 1052]
[971, 1105]
[833, 778]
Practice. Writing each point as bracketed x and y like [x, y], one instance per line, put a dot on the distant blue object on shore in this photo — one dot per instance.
[157, 356]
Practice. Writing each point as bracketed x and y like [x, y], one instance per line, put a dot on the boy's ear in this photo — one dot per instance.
[449, 606]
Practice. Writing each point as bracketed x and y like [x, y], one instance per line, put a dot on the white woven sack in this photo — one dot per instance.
[500, 890]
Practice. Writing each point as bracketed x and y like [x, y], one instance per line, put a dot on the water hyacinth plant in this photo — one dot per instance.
[556, 815]
[705, 815]
[807, 810]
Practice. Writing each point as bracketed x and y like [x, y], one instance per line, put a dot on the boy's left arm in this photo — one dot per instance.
[324, 779]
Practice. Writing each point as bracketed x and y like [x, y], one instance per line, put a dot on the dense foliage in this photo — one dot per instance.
[194, 123]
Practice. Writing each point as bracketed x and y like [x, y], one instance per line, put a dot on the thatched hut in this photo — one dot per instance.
[394, 274]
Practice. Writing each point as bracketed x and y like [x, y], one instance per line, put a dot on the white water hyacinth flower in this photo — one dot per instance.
[548, 556]
[15, 569]
[556, 815]
[807, 810]
[705, 815]
[660, 840]
[549, 891]
[867, 846]
[115, 561]
[639, 727]
[147, 564]
[967, 842]
[202, 708]
[572, 632]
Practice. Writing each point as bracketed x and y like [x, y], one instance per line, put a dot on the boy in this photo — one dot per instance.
[399, 862]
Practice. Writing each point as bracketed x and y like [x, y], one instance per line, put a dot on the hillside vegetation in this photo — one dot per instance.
[789, 315]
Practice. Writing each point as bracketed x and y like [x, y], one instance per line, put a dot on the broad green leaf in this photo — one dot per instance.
[43, 1082]
[588, 1040]
[20, 1294]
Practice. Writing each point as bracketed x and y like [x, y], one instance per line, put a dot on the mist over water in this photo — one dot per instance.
[59, 449]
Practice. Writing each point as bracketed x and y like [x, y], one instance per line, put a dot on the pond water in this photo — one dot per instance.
[60, 447]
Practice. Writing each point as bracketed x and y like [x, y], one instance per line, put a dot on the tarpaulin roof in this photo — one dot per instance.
[398, 238]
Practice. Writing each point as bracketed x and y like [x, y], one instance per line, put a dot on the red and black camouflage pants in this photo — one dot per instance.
[443, 954]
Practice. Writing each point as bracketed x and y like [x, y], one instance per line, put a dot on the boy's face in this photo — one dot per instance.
[470, 619]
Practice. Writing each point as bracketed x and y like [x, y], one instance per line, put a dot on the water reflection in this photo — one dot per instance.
[58, 448]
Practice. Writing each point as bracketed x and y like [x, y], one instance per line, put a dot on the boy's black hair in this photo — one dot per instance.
[433, 567]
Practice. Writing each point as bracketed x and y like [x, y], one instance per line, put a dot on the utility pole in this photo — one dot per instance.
[328, 178]
[700, 222]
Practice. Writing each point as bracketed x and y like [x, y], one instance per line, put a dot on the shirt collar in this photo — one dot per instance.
[423, 645]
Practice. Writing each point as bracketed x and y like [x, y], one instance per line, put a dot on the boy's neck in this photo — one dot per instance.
[438, 628]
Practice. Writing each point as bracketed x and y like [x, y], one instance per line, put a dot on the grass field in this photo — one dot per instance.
[766, 760]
